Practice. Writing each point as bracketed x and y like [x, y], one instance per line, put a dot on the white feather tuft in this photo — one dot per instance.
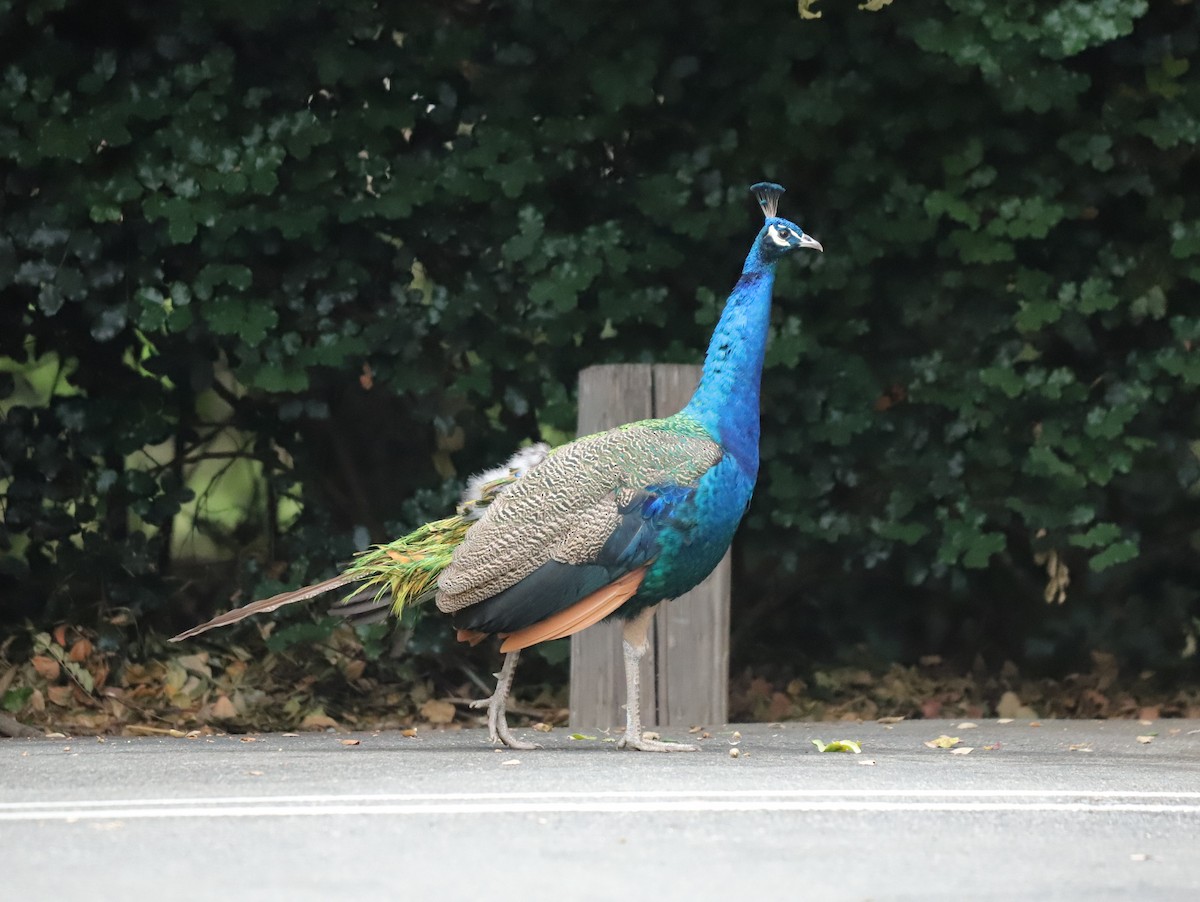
[518, 465]
[527, 458]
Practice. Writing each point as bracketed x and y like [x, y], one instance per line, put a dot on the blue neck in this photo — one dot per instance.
[727, 399]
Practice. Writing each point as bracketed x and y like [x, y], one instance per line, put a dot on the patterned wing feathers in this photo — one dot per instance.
[566, 507]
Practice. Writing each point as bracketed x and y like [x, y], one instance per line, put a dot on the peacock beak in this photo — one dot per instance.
[809, 241]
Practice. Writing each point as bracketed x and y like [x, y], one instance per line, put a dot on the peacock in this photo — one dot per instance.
[609, 525]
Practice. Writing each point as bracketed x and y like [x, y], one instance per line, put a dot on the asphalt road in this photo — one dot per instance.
[444, 816]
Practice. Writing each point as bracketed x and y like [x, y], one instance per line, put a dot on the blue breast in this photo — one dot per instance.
[702, 528]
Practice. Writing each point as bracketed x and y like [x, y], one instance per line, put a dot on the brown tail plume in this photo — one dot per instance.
[265, 606]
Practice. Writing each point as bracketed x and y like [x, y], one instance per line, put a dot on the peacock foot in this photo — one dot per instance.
[498, 724]
[642, 744]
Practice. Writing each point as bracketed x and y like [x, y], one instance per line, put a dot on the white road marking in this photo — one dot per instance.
[627, 807]
[614, 801]
[554, 795]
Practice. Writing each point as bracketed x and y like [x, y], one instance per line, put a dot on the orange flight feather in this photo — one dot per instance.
[579, 616]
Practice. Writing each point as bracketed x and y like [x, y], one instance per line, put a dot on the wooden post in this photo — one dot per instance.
[685, 673]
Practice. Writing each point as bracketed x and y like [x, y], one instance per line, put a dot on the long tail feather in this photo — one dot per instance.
[403, 572]
[266, 605]
[366, 606]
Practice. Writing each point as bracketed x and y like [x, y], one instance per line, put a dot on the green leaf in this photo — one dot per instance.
[302, 634]
[105, 213]
[1100, 534]
[1095, 295]
[81, 675]
[61, 139]
[250, 320]
[274, 377]
[1117, 553]
[1004, 378]
[15, 699]
[1033, 315]
[839, 745]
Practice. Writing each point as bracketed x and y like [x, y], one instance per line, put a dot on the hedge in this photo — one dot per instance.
[359, 250]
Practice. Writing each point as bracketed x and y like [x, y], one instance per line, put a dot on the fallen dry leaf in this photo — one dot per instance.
[943, 742]
[1009, 705]
[247, 739]
[1145, 740]
[542, 727]
[351, 742]
[1079, 747]
[886, 720]
[962, 750]
[967, 725]
[511, 762]
[437, 711]
[47, 668]
[223, 708]
[318, 720]
[1005, 720]
[60, 695]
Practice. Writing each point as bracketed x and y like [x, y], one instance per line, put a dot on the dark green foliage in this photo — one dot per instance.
[994, 358]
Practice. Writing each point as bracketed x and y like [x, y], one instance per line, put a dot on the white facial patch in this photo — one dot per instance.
[777, 236]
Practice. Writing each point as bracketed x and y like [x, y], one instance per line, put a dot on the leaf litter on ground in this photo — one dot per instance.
[67, 680]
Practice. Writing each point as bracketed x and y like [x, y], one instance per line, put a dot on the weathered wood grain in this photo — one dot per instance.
[685, 675]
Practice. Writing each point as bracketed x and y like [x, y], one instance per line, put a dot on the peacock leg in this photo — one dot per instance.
[497, 724]
[635, 644]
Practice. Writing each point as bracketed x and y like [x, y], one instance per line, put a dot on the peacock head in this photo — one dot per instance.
[778, 236]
